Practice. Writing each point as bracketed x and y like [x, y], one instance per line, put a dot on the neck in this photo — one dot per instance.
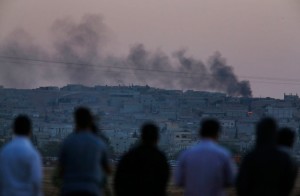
[82, 129]
[148, 144]
[22, 136]
[209, 139]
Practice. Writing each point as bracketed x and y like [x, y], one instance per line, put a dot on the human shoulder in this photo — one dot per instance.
[102, 145]
[133, 151]
[185, 153]
[211, 146]
[161, 153]
[223, 151]
[34, 154]
[127, 157]
[249, 157]
[69, 137]
[70, 141]
[7, 145]
[6, 148]
[285, 150]
[97, 140]
[29, 150]
[285, 154]
[18, 144]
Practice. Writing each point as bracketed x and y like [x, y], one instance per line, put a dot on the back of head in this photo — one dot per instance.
[266, 132]
[83, 118]
[286, 137]
[150, 133]
[210, 128]
[22, 125]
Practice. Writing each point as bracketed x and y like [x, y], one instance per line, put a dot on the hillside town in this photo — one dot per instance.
[121, 110]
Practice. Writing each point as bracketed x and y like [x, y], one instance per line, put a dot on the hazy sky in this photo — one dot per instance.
[259, 38]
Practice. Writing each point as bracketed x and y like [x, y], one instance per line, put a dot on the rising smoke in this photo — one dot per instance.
[81, 46]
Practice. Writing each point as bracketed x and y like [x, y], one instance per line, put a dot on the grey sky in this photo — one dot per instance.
[257, 37]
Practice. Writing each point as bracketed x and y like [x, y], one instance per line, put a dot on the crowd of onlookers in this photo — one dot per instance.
[204, 169]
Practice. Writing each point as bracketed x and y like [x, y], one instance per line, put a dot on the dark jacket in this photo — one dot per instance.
[266, 171]
[143, 171]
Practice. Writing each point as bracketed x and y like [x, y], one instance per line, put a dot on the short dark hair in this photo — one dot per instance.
[210, 128]
[286, 137]
[266, 131]
[150, 133]
[22, 125]
[83, 118]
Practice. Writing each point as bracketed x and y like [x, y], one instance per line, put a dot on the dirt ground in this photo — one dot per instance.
[50, 190]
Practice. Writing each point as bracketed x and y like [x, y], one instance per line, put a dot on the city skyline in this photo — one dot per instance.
[258, 38]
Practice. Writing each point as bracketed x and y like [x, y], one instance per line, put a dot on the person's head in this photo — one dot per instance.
[266, 132]
[83, 119]
[22, 126]
[210, 128]
[149, 133]
[286, 137]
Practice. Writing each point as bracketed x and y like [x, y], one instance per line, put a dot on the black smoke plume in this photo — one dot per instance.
[78, 56]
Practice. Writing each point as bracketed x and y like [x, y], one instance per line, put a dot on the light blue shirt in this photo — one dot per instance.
[205, 169]
[20, 169]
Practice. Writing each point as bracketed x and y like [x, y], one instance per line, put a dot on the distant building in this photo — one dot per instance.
[280, 112]
[291, 97]
[181, 140]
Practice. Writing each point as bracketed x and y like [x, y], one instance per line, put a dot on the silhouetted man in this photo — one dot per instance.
[286, 139]
[266, 170]
[83, 159]
[206, 168]
[20, 163]
[144, 170]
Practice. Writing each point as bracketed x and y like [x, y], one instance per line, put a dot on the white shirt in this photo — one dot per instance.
[20, 169]
[205, 169]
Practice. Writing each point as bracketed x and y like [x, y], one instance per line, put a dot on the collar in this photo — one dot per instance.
[83, 131]
[207, 140]
[21, 138]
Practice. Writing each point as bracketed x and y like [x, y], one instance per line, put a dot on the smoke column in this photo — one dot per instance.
[83, 43]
